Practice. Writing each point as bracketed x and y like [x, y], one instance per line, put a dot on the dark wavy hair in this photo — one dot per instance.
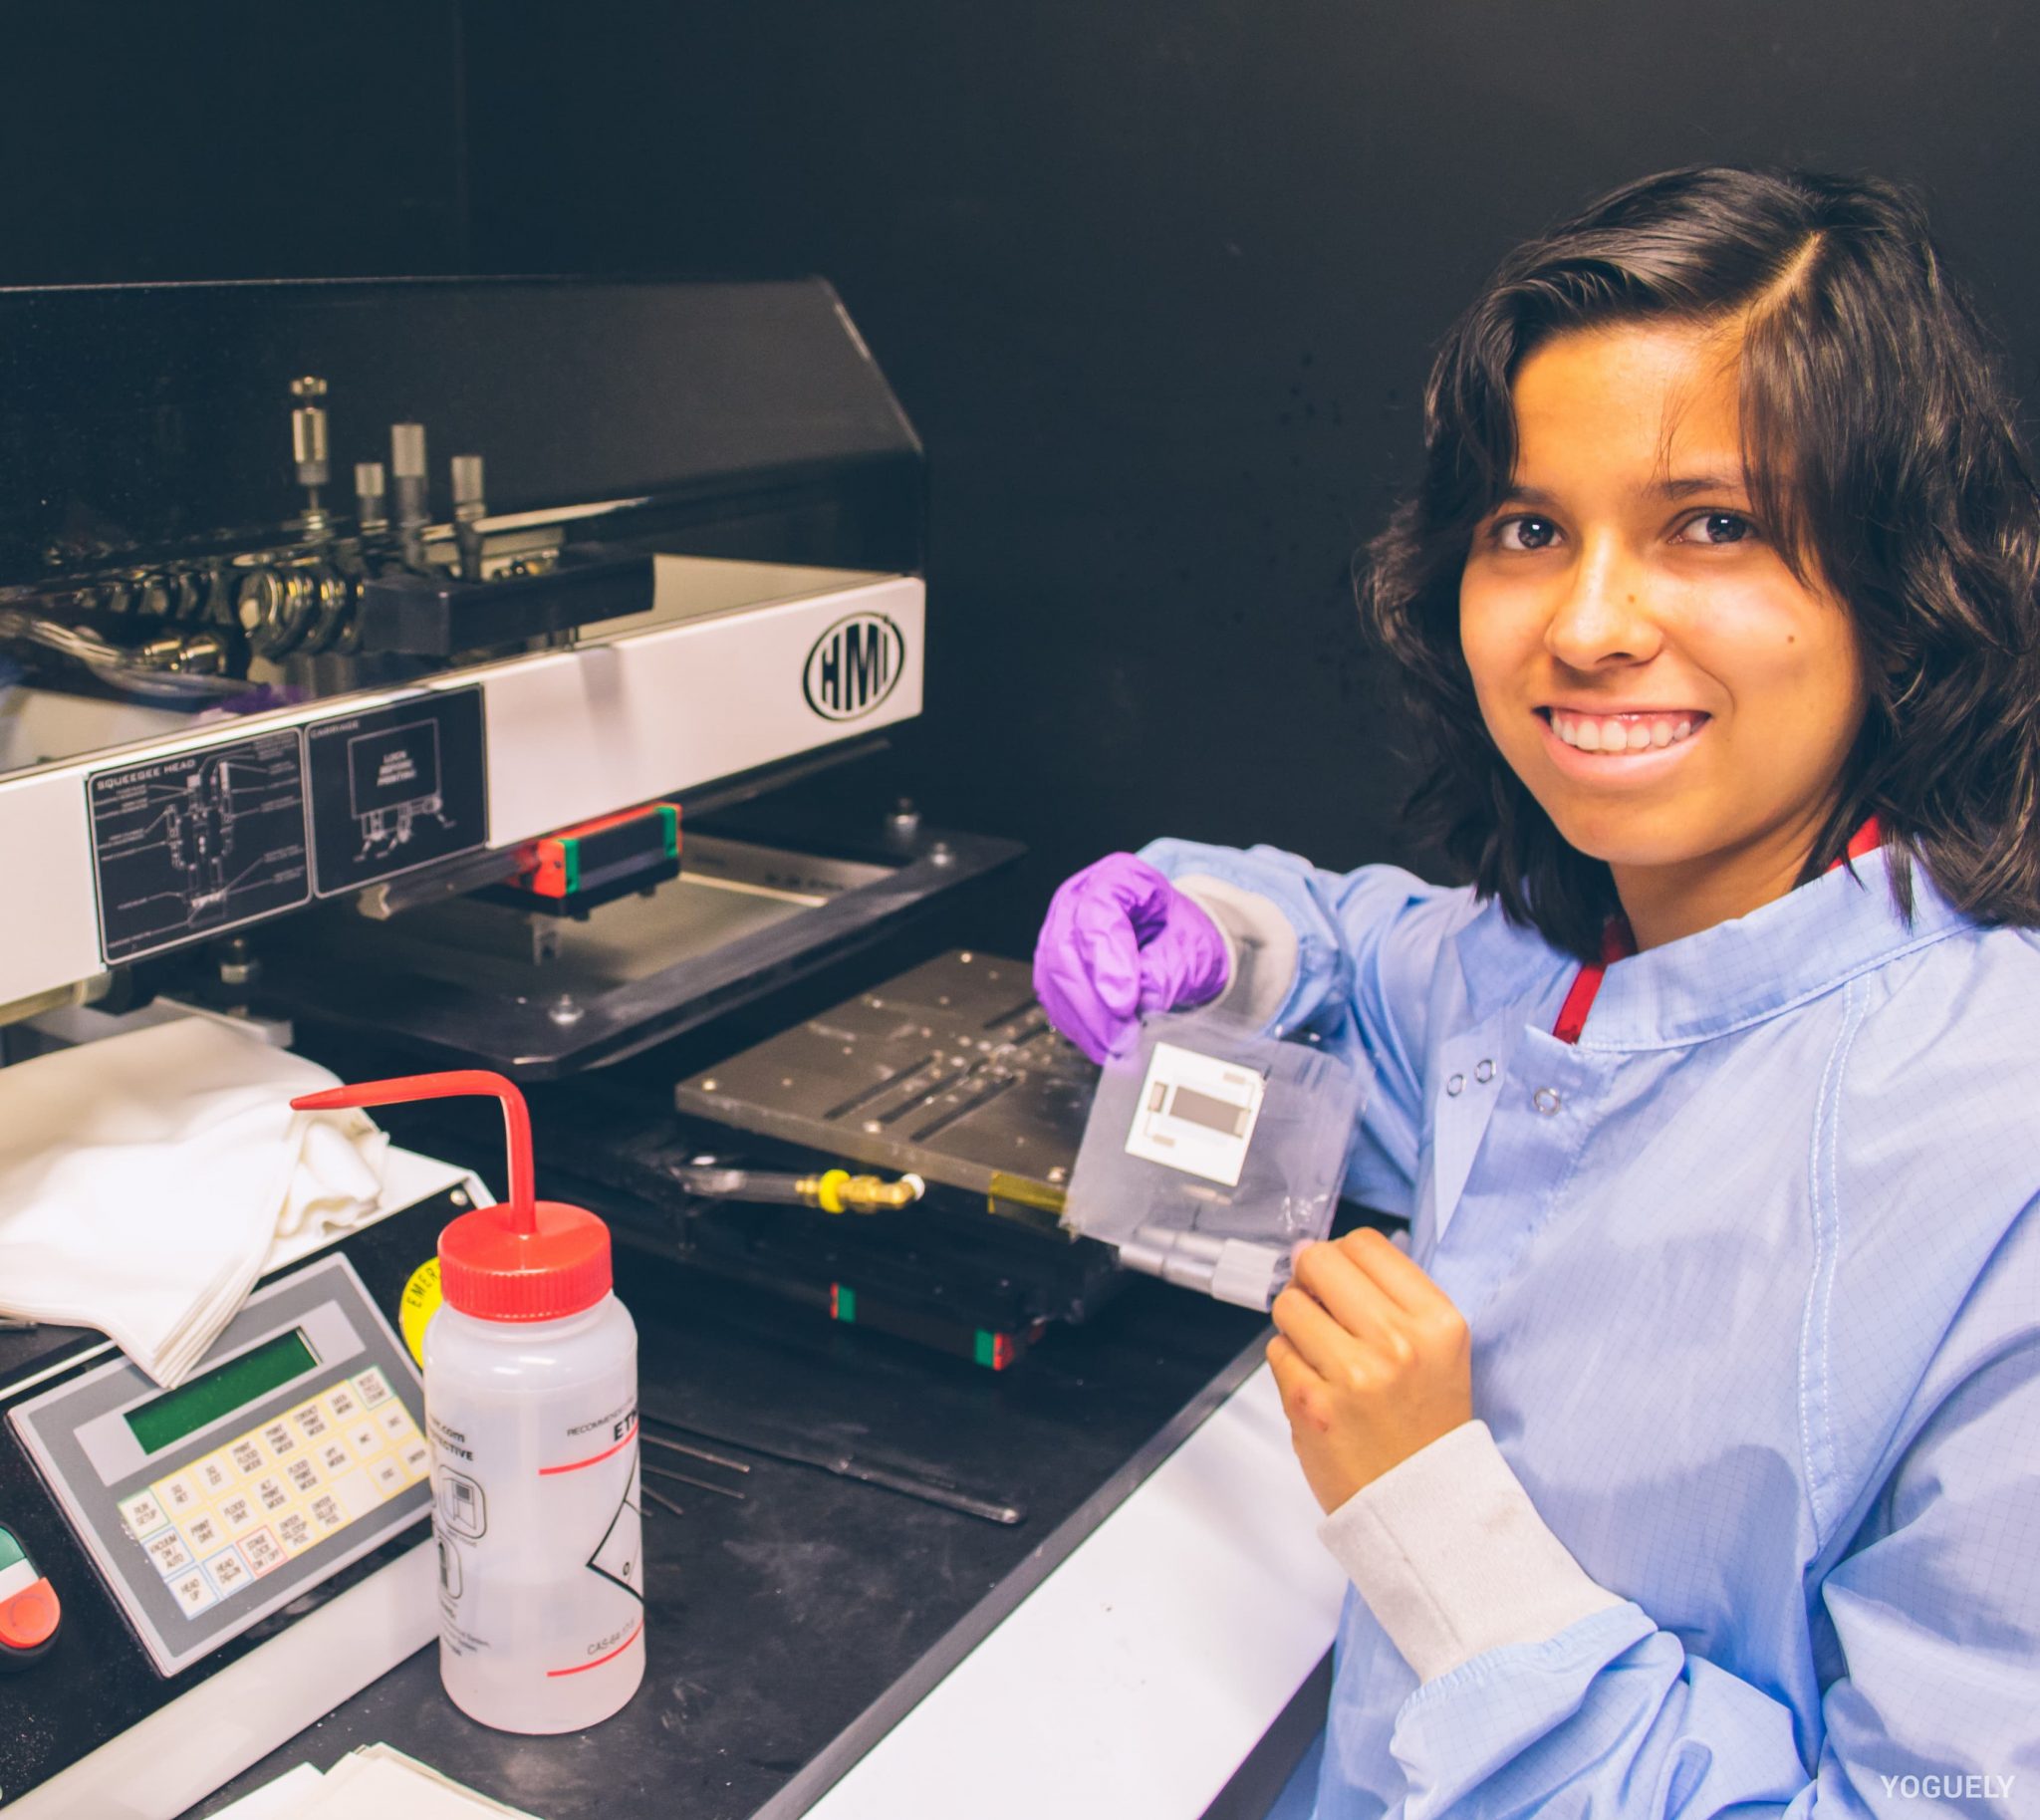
[1882, 455]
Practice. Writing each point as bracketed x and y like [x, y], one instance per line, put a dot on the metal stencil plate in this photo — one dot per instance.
[951, 1071]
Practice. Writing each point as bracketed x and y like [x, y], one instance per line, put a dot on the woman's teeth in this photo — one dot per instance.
[1624, 732]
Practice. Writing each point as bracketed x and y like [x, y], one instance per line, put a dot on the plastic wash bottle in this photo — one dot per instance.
[531, 1408]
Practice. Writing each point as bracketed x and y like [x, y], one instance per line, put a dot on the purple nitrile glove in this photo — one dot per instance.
[1119, 941]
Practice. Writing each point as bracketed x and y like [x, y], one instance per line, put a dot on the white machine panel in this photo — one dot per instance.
[571, 734]
[608, 724]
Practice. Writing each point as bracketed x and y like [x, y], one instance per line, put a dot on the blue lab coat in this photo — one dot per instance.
[1753, 1278]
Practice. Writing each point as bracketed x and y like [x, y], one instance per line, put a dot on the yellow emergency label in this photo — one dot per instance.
[420, 1303]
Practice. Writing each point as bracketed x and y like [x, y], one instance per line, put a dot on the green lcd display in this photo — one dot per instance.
[221, 1390]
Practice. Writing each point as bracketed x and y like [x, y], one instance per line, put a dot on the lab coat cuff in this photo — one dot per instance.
[1452, 1558]
[1260, 948]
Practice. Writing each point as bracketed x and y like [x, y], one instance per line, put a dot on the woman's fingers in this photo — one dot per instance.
[1367, 1380]
[1348, 1293]
[1393, 1275]
[1291, 1373]
[1423, 1313]
[1325, 1345]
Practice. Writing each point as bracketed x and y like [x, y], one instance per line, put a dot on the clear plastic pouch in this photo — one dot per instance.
[1211, 1151]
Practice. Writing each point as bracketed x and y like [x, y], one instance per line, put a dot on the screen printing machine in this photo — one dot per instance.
[542, 759]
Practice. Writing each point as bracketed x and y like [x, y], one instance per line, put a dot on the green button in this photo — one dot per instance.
[10, 1551]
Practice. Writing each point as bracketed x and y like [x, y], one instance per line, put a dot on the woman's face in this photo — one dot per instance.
[1644, 658]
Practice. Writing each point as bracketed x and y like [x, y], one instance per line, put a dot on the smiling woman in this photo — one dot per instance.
[1790, 428]
[1672, 694]
[1684, 1464]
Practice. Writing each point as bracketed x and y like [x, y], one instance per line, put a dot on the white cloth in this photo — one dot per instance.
[145, 1179]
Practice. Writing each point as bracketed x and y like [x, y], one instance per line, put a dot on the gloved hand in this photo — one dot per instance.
[1121, 940]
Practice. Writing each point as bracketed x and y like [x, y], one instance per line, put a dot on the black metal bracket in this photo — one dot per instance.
[429, 615]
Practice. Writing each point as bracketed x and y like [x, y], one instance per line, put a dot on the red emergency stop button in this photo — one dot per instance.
[29, 1620]
[29, 1612]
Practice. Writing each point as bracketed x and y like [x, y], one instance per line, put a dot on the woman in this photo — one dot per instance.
[1690, 1462]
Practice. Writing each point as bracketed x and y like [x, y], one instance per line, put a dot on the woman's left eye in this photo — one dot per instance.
[1714, 528]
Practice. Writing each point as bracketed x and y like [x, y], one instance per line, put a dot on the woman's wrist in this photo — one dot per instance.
[1260, 948]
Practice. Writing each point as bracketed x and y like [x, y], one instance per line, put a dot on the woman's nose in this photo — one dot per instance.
[1603, 617]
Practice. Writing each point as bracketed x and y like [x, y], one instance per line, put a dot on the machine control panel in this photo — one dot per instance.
[296, 1449]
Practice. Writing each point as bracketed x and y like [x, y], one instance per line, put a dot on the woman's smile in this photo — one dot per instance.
[1620, 751]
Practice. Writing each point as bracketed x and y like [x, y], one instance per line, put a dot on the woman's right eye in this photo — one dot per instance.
[1525, 533]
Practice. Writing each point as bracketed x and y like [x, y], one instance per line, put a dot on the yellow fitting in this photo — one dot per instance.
[839, 1192]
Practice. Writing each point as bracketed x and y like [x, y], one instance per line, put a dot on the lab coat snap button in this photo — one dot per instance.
[1484, 1072]
[1456, 1084]
[1546, 1099]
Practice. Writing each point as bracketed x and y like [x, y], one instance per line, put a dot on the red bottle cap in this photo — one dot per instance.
[523, 1261]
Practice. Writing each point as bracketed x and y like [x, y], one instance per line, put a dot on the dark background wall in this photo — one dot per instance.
[230, 139]
[1155, 279]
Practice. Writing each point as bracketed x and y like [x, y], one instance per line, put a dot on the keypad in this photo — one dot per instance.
[220, 1523]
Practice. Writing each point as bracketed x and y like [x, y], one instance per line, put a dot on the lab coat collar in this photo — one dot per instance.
[1722, 980]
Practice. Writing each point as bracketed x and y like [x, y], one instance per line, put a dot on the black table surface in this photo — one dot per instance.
[787, 1631]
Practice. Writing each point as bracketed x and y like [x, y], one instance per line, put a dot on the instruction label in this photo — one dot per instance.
[187, 845]
[397, 787]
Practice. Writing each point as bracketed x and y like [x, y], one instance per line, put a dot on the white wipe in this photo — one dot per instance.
[145, 1179]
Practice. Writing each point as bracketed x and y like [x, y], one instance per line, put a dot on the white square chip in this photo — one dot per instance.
[1196, 1114]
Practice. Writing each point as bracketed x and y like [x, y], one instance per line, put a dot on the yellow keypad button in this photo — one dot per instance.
[366, 1438]
[333, 1456]
[238, 1514]
[194, 1591]
[270, 1494]
[371, 1387]
[143, 1516]
[278, 1439]
[389, 1476]
[341, 1404]
[293, 1530]
[168, 1554]
[395, 1420]
[328, 1512]
[214, 1474]
[416, 1458]
[228, 1571]
[201, 1532]
[177, 1494]
[264, 1552]
[247, 1456]
[310, 1420]
[357, 1492]
[303, 1474]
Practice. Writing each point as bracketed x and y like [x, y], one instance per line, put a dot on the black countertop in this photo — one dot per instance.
[788, 1630]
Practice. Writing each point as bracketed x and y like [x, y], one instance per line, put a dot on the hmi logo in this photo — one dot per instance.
[854, 666]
